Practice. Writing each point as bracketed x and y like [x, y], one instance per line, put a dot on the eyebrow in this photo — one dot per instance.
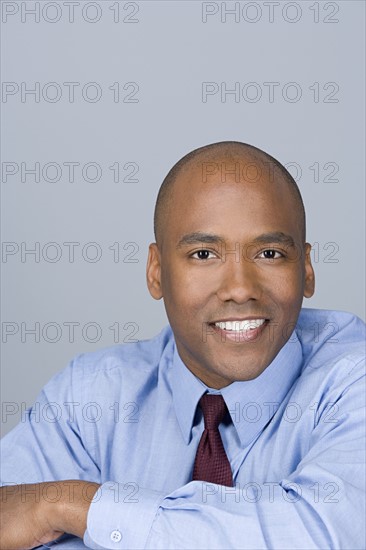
[275, 237]
[198, 237]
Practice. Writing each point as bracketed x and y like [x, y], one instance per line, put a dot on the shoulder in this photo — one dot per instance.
[130, 363]
[143, 354]
[333, 346]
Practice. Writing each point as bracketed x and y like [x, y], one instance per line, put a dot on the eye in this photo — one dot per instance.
[271, 254]
[203, 254]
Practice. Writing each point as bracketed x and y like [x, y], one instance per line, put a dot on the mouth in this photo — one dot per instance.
[240, 330]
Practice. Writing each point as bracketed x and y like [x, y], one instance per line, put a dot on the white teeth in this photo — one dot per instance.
[240, 325]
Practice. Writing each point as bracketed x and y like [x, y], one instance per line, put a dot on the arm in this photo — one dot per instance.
[47, 445]
[320, 505]
[47, 511]
[326, 490]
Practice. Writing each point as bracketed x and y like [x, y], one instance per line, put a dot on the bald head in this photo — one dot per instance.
[243, 163]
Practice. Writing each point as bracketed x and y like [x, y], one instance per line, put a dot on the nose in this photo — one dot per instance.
[240, 281]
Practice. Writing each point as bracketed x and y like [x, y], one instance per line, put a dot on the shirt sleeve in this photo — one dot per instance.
[49, 444]
[320, 505]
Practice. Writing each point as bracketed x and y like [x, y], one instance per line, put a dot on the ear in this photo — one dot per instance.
[153, 272]
[309, 287]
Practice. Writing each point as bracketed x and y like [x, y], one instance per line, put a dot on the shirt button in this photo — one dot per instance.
[116, 536]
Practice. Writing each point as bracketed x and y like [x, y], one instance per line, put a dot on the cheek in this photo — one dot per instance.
[285, 290]
[184, 292]
[290, 296]
[193, 284]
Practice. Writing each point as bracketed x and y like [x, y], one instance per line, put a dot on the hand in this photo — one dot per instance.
[37, 513]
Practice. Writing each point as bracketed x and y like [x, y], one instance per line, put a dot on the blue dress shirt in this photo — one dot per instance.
[126, 417]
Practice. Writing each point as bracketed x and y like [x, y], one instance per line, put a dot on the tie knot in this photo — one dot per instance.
[214, 408]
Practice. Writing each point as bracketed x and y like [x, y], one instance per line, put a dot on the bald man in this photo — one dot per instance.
[240, 425]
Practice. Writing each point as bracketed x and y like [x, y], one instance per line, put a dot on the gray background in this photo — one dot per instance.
[168, 51]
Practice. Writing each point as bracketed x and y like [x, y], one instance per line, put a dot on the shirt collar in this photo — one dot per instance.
[251, 403]
[187, 391]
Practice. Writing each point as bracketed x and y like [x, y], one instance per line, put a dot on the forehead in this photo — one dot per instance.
[236, 197]
[251, 170]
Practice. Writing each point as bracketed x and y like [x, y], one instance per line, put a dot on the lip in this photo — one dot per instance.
[242, 336]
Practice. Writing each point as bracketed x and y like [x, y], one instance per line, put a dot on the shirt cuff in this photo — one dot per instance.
[121, 516]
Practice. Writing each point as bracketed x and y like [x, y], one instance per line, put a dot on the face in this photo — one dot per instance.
[232, 269]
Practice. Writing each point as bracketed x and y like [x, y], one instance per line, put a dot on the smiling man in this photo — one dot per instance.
[241, 425]
[230, 248]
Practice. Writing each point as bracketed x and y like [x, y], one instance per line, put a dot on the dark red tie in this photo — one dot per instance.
[211, 463]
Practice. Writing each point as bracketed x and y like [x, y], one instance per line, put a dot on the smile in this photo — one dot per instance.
[240, 326]
[240, 331]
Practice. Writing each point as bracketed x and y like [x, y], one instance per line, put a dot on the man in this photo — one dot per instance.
[240, 425]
